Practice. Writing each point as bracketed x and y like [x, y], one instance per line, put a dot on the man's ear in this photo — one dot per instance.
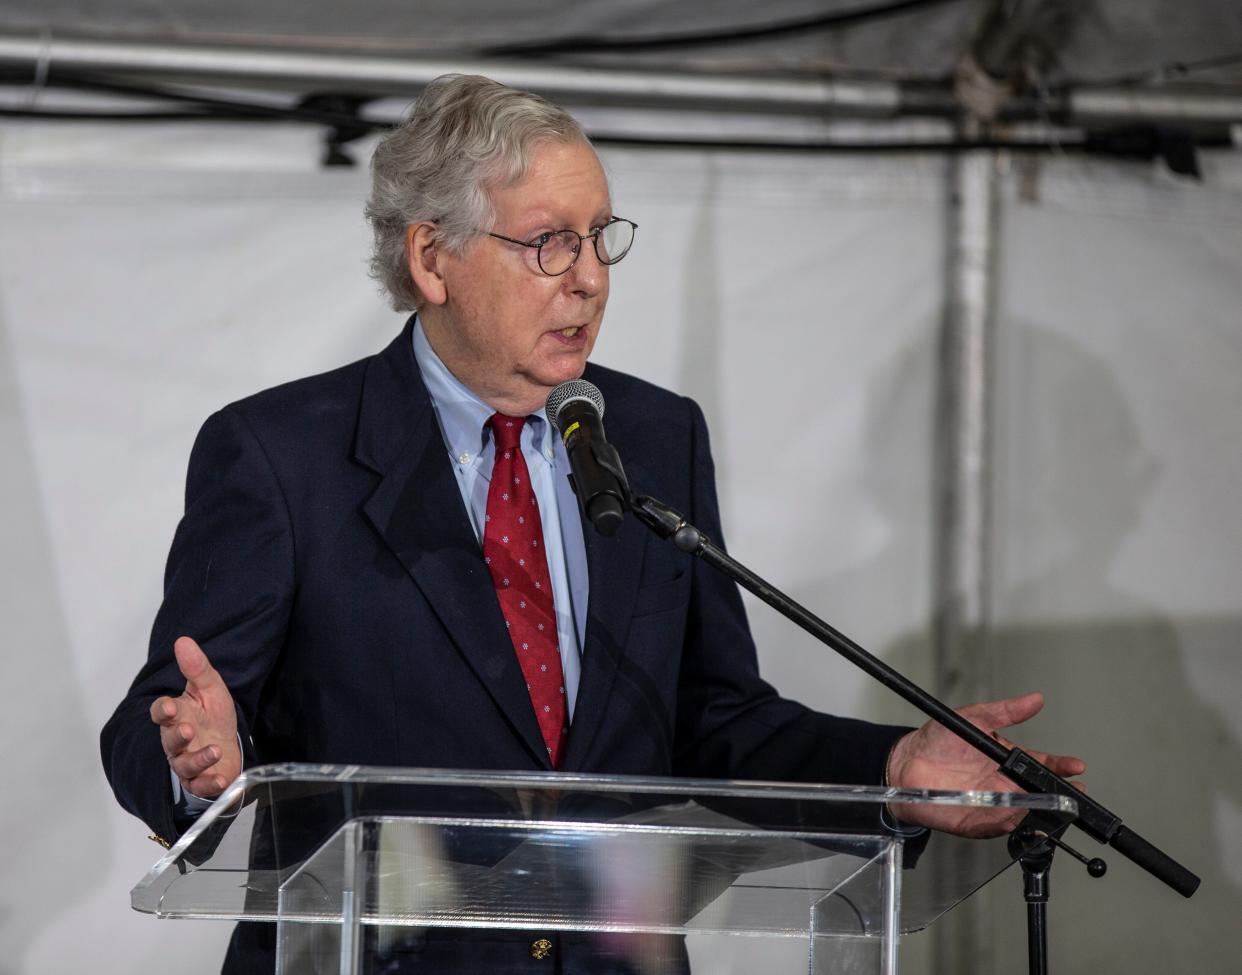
[422, 257]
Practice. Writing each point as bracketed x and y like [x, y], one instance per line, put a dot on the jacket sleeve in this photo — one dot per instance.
[730, 722]
[229, 584]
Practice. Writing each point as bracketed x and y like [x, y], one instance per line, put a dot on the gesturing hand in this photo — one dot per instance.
[198, 729]
[934, 758]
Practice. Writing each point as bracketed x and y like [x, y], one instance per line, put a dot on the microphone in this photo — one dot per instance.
[575, 409]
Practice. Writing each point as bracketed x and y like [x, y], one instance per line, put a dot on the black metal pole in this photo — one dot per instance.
[1036, 936]
[1033, 850]
[1017, 765]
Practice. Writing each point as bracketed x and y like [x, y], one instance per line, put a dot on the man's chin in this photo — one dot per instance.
[562, 369]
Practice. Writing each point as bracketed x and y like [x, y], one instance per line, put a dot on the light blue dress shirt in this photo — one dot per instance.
[463, 417]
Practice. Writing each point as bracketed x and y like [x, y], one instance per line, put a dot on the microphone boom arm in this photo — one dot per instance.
[1024, 770]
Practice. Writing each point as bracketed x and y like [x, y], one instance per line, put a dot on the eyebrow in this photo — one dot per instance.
[544, 217]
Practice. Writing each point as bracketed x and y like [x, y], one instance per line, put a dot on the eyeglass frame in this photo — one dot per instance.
[593, 236]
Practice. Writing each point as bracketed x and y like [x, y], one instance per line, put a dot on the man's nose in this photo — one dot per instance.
[589, 275]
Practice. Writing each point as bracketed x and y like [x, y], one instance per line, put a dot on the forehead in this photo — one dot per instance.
[562, 179]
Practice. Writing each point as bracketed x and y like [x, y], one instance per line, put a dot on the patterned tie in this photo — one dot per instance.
[513, 551]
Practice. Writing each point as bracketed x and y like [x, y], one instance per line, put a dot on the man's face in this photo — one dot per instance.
[507, 330]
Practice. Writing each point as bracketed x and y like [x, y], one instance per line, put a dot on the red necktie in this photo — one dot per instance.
[513, 551]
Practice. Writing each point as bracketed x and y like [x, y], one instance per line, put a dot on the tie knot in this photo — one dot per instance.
[507, 430]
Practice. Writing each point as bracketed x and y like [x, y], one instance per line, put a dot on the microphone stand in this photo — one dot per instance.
[1034, 841]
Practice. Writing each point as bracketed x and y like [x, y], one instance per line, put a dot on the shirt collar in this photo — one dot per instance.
[463, 416]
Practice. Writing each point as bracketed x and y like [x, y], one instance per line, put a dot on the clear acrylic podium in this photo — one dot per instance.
[351, 863]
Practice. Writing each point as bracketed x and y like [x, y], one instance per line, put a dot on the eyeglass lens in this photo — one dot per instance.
[612, 242]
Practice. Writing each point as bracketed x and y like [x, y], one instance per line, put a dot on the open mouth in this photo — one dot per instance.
[571, 331]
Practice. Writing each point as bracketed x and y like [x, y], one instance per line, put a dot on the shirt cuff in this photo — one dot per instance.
[887, 820]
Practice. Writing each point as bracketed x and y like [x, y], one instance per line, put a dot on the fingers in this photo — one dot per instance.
[176, 732]
[1064, 765]
[189, 765]
[190, 657]
[1022, 708]
[203, 714]
[164, 711]
[1005, 713]
[176, 737]
[206, 786]
[169, 713]
[200, 676]
[198, 769]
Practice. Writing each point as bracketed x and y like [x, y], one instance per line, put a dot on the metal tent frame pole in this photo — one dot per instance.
[388, 74]
[962, 529]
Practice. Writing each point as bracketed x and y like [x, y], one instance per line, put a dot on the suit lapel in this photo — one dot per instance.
[418, 511]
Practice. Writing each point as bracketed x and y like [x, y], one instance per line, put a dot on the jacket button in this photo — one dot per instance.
[539, 950]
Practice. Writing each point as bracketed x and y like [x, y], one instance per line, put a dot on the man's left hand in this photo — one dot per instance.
[934, 758]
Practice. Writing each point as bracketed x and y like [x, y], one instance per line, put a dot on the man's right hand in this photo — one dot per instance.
[198, 729]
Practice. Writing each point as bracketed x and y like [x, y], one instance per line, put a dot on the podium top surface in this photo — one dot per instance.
[291, 773]
[478, 848]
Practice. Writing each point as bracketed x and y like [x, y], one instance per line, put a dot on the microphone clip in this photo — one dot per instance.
[608, 502]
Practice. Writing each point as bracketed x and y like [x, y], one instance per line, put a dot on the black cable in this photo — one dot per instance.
[233, 109]
[761, 145]
[581, 44]
[219, 110]
[73, 115]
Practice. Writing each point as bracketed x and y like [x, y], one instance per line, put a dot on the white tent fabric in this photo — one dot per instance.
[150, 275]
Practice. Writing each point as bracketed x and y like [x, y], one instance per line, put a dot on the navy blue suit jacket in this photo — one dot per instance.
[327, 566]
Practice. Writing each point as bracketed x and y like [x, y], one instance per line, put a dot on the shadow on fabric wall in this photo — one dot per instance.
[1123, 676]
[53, 816]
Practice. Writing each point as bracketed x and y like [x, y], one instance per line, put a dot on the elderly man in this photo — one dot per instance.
[385, 564]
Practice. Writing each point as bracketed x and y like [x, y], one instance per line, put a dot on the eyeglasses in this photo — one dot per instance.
[558, 250]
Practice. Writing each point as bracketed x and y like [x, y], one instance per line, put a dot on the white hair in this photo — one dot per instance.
[465, 135]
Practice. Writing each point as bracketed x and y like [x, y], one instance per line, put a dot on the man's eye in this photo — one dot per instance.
[543, 238]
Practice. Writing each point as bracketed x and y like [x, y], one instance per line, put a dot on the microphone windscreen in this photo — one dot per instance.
[575, 389]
